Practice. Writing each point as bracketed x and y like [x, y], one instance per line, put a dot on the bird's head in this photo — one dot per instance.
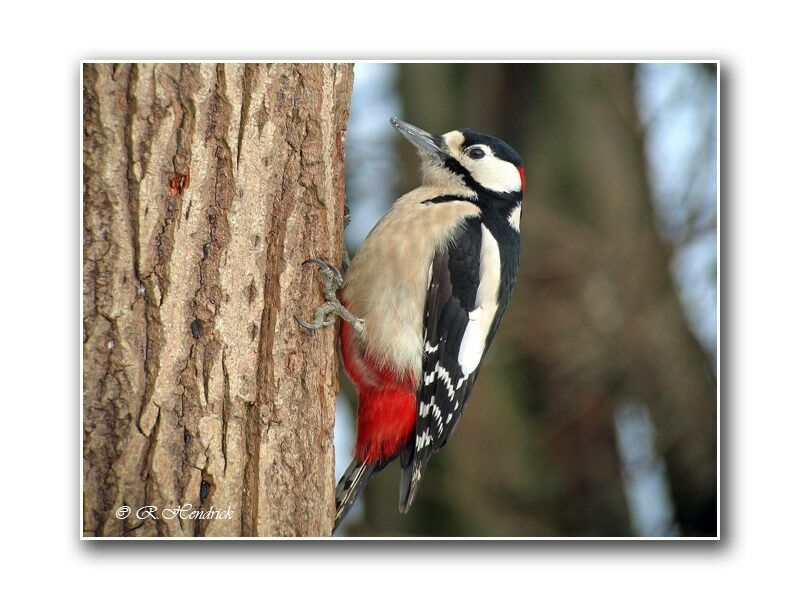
[473, 159]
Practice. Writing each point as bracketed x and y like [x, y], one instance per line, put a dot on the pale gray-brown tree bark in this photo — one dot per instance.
[205, 187]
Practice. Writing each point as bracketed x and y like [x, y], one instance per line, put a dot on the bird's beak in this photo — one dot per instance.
[431, 145]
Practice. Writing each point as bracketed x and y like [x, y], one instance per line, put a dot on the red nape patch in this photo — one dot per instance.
[387, 407]
[522, 178]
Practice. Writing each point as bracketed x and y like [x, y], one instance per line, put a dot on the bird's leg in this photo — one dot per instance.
[331, 281]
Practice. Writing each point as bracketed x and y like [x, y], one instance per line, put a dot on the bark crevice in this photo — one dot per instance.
[196, 379]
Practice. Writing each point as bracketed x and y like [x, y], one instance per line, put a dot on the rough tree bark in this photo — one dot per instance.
[205, 187]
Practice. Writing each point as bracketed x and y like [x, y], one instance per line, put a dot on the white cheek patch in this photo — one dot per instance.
[473, 343]
[495, 174]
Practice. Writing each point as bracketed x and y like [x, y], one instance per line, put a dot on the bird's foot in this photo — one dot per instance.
[331, 282]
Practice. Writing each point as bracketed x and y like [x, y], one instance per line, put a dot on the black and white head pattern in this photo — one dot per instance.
[481, 161]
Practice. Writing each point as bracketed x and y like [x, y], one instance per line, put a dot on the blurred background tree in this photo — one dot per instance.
[595, 411]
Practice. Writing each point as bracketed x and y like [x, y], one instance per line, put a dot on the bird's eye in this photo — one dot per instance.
[476, 153]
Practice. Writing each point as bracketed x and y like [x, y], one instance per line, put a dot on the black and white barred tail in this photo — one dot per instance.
[355, 479]
[350, 486]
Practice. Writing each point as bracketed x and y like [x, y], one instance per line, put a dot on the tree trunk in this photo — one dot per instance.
[205, 187]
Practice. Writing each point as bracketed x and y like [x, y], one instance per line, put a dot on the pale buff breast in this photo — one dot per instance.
[387, 281]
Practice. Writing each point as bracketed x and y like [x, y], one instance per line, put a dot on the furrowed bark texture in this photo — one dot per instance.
[205, 188]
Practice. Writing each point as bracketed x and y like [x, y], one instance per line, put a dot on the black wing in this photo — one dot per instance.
[443, 391]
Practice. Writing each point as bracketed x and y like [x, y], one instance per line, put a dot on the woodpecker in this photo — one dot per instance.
[421, 301]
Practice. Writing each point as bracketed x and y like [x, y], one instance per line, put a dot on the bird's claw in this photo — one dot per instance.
[322, 264]
[331, 282]
[331, 278]
[313, 326]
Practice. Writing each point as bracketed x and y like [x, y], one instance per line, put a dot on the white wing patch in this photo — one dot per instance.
[513, 218]
[473, 343]
[471, 349]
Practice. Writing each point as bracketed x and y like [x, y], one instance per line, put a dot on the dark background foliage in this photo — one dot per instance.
[595, 411]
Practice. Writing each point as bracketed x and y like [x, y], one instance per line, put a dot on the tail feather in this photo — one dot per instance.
[412, 466]
[350, 487]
